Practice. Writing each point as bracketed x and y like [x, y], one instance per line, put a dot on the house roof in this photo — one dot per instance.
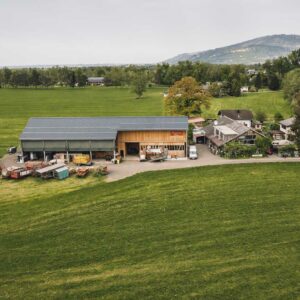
[96, 79]
[226, 130]
[196, 120]
[50, 168]
[96, 128]
[209, 129]
[288, 122]
[238, 114]
[238, 128]
[227, 126]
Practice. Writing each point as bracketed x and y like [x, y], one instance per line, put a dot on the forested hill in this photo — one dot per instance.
[250, 52]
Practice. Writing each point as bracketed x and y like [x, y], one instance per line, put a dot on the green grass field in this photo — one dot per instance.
[227, 232]
[18, 105]
[268, 102]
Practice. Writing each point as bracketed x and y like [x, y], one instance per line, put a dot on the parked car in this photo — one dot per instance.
[193, 152]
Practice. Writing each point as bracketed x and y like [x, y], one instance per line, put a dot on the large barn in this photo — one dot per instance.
[98, 136]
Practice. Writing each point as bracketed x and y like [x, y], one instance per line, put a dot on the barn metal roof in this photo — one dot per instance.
[96, 128]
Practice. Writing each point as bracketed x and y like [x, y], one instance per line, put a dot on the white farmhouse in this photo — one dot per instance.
[286, 127]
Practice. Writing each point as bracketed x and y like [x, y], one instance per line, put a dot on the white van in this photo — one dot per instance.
[193, 152]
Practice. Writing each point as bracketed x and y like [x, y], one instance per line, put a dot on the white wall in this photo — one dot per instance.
[245, 122]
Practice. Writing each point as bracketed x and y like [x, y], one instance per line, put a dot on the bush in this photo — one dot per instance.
[253, 89]
[190, 133]
[278, 117]
[261, 116]
[288, 150]
[263, 144]
[237, 150]
[274, 126]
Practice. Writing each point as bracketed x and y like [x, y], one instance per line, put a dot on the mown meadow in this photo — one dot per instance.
[18, 105]
[223, 232]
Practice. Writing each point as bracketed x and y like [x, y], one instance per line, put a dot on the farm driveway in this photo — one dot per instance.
[129, 168]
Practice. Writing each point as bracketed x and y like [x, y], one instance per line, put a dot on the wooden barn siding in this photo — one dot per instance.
[151, 137]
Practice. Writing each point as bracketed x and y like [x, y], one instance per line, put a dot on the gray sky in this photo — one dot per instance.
[133, 31]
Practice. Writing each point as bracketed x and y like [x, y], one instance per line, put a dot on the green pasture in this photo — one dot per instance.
[222, 232]
[18, 105]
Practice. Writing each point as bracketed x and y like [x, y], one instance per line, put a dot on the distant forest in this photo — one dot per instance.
[222, 79]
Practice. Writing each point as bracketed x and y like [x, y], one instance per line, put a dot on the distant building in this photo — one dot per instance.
[251, 72]
[96, 80]
[244, 89]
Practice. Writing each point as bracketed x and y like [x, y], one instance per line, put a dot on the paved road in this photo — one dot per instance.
[129, 168]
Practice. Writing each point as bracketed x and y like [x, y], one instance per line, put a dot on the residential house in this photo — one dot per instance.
[257, 125]
[277, 135]
[286, 127]
[225, 130]
[96, 80]
[242, 116]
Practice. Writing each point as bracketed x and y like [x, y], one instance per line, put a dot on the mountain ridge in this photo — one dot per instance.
[249, 52]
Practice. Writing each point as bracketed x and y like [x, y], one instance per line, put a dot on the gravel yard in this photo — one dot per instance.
[133, 166]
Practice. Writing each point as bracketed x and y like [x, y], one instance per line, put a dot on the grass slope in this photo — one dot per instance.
[227, 232]
[18, 105]
[268, 102]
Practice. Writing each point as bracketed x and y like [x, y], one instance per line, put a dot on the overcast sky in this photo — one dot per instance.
[133, 31]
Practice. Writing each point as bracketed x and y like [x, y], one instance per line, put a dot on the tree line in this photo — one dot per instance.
[72, 76]
[223, 79]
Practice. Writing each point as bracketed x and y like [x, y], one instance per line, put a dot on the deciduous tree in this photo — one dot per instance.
[139, 84]
[186, 97]
[260, 116]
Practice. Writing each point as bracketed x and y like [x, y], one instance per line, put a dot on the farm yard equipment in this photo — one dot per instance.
[22, 158]
[20, 173]
[35, 165]
[155, 155]
[56, 161]
[117, 159]
[101, 171]
[5, 173]
[49, 172]
[82, 172]
[82, 160]
[15, 172]
[12, 150]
